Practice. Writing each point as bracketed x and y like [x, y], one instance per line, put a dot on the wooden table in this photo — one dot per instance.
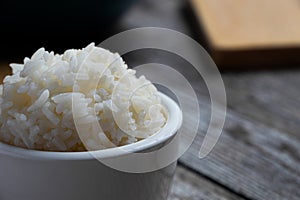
[258, 154]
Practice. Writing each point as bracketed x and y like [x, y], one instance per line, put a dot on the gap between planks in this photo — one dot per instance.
[249, 159]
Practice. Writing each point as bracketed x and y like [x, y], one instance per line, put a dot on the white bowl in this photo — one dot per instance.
[40, 175]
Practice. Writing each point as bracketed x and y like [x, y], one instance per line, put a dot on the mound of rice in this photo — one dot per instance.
[57, 102]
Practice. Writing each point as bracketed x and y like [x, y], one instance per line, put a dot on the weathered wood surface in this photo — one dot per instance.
[252, 159]
[258, 154]
[188, 185]
[269, 97]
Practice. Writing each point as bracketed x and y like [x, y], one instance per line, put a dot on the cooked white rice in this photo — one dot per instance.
[36, 102]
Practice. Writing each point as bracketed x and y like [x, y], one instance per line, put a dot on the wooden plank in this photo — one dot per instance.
[250, 32]
[190, 186]
[244, 159]
[269, 97]
[265, 157]
[253, 157]
[250, 158]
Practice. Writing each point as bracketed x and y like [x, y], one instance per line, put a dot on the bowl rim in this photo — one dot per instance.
[172, 125]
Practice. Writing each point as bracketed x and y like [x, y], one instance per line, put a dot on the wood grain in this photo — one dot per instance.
[188, 185]
[258, 154]
[272, 98]
[252, 159]
[251, 32]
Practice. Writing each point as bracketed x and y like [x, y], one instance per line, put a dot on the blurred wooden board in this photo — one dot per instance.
[4, 70]
[251, 32]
